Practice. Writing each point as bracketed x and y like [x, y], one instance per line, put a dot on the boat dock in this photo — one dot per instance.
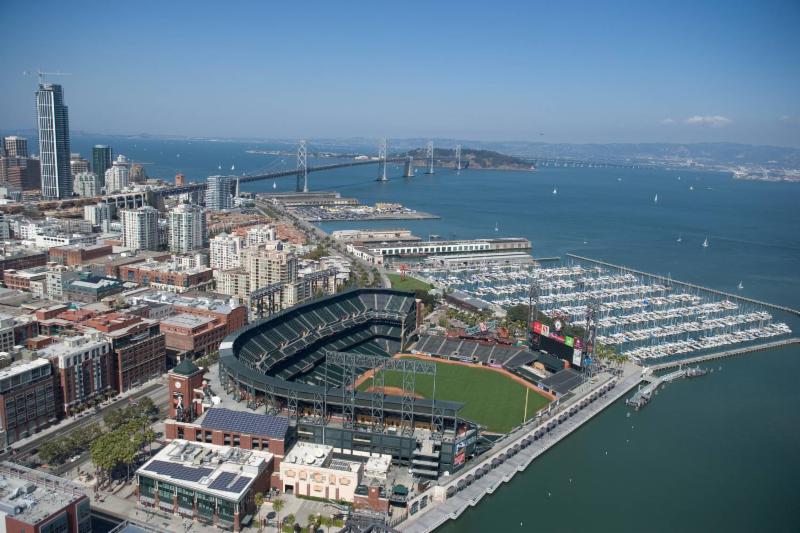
[512, 454]
[727, 353]
[644, 394]
[665, 279]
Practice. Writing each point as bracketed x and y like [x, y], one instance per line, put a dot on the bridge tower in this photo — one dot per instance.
[458, 158]
[429, 156]
[409, 167]
[302, 167]
[382, 152]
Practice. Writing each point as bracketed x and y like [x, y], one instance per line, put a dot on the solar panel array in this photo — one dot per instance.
[225, 482]
[260, 424]
[338, 464]
[176, 471]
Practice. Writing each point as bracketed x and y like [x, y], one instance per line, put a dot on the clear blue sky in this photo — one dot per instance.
[637, 71]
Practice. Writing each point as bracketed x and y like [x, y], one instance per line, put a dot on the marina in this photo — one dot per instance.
[646, 318]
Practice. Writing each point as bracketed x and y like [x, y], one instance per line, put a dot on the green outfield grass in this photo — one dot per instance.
[491, 399]
[408, 284]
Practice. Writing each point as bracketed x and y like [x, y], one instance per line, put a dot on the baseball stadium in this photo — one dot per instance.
[331, 364]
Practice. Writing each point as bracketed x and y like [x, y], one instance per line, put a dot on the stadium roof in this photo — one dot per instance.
[259, 424]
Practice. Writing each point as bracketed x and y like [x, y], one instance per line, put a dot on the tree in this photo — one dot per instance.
[258, 499]
[518, 313]
[278, 505]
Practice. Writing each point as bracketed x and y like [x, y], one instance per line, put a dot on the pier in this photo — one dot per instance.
[726, 353]
[513, 454]
[644, 394]
[667, 280]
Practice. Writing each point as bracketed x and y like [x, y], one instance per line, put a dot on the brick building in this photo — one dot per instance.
[166, 276]
[139, 349]
[192, 336]
[54, 505]
[27, 400]
[78, 255]
[84, 368]
[20, 259]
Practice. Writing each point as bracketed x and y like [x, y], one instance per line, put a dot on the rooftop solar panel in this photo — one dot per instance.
[181, 472]
[260, 424]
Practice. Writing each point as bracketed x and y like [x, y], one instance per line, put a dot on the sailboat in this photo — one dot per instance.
[233, 167]
[496, 227]
[740, 286]
[274, 184]
[555, 190]
[680, 238]
[691, 187]
[219, 167]
[705, 243]
[655, 200]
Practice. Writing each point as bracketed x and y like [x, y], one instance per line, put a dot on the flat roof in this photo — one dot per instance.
[22, 366]
[186, 320]
[223, 471]
[259, 424]
[32, 496]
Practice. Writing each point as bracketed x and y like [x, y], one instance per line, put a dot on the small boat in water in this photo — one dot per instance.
[691, 187]
[655, 199]
[496, 227]
[680, 238]
[274, 184]
[740, 286]
[555, 190]
[705, 243]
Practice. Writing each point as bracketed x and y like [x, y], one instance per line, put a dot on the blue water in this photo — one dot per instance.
[719, 453]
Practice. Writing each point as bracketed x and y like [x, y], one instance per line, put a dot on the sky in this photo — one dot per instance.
[583, 72]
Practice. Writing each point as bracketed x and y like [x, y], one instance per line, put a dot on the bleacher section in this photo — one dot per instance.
[509, 357]
[291, 345]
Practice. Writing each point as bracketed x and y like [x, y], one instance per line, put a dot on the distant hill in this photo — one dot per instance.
[471, 158]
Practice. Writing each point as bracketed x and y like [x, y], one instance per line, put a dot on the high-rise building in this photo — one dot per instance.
[218, 193]
[101, 161]
[138, 173]
[15, 146]
[99, 214]
[226, 251]
[140, 228]
[77, 164]
[20, 172]
[260, 235]
[53, 121]
[180, 180]
[86, 184]
[186, 228]
[266, 265]
[118, 176]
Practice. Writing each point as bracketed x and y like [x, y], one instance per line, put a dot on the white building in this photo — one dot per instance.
[63, 239]
[218, 193]
[260, 235]
[310, 469]
[57, 279]
[226, 251]
[118, 176]
[186, 227]
[86, 184]
[99, 214]
[140, 228]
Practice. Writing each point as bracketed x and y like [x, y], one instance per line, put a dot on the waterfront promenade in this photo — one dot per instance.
[444, 508]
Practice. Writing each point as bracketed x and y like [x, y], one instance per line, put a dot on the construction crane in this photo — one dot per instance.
[41, 74]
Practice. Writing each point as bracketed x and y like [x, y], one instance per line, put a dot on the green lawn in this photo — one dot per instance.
[408, 284]
[491, 399]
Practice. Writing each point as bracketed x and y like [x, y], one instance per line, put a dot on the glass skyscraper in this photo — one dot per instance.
[101, 161]
[54, 153]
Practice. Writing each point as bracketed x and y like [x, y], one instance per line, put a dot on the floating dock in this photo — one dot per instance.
[727, 353]
[665, 279]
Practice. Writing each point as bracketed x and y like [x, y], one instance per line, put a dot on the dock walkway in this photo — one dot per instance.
[666, 280]
[438, 512]
[726, 353]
